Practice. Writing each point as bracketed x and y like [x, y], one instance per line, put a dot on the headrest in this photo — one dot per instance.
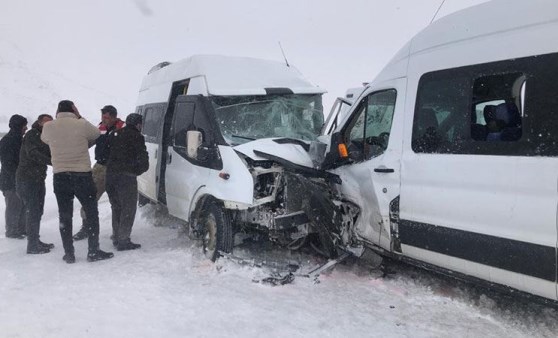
[488, 113]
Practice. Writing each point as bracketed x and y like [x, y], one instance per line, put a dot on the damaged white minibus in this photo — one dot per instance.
[203, 118]
[452, 151]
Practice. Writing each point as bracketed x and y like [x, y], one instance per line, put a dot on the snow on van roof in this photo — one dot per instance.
[227, 75]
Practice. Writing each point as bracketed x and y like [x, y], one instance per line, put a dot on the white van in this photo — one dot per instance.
[203, 117]
[451, 152]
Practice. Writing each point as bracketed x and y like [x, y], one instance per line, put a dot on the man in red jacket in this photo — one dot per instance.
[109, 123]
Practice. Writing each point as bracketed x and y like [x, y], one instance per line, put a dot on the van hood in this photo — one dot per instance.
[293, 155]
[292, 150]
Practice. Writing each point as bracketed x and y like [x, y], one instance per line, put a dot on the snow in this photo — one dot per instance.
[226, 75]
[168, 288]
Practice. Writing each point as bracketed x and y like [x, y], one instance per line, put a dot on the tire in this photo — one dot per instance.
[217, 231]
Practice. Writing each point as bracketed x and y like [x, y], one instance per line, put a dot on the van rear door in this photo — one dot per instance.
[371, 174]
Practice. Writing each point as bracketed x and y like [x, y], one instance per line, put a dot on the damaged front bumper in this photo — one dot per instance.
[293, 202]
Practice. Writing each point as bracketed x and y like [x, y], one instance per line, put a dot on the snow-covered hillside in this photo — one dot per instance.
[29, 88]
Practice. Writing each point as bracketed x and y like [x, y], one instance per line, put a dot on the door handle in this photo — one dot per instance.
[170, 159]
[383, 170]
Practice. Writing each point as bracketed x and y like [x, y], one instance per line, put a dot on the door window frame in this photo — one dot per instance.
[367, 153]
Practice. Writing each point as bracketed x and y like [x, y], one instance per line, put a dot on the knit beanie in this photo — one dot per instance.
[133, 119]
[17, 121]
[65, 106]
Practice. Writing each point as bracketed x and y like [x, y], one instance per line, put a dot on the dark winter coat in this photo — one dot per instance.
[101, 144]
[34, 156]
[128, 154]
[10, 146]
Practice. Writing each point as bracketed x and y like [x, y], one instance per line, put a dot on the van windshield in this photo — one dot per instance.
[245, 118]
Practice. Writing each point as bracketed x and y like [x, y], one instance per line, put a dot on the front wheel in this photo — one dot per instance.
[217, 231]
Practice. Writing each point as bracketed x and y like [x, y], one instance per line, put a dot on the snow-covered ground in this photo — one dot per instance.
[168, 289]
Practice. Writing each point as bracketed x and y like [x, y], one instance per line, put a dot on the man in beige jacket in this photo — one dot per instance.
[69, 138]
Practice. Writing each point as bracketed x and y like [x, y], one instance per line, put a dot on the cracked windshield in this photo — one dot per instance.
[246, 118]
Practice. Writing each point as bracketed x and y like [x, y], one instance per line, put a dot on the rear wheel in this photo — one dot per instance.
[217, 231]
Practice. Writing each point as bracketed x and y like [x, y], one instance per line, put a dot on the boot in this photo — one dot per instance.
[98, 255]
[69, 258]
[81, 234]
[37, 249]
[114, 241]
[127, 246]
[46, 245]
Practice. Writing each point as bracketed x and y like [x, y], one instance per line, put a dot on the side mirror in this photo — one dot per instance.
[194, 141]
[337, 154]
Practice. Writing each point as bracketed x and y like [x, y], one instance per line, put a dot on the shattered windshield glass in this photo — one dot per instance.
[245, 118]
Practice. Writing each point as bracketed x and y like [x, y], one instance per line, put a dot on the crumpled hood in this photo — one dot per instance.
[291, 152]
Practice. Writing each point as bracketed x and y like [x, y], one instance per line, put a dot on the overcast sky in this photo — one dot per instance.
[110, 44]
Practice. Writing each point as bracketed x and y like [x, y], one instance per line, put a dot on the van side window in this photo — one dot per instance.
[368, 132]
[183, 119]
[441, 114]
[153, 117]
[500, 108]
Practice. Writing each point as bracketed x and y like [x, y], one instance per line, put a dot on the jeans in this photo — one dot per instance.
[66, 186]
[32, 193]
[122, 191]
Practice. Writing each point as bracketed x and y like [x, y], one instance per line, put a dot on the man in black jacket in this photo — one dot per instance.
[10, 146]
[127, 159]
[30, 183]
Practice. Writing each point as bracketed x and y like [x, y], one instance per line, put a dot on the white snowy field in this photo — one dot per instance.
[168, 289]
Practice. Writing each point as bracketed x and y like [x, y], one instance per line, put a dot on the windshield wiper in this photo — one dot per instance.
[244, 137]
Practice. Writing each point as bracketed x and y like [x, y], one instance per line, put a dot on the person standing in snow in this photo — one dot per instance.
[109, 123]
[127, 159]
[30, 183]
[69, 138]
[10, 146]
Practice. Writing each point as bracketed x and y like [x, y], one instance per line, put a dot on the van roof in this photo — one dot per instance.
[482, 20]
[228, 75]
[485, 19]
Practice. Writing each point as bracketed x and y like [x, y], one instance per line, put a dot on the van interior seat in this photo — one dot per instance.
[427, 121]
[503, 122]
[495, 123]
[478, 131]
[426, 130]
[512, 129]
